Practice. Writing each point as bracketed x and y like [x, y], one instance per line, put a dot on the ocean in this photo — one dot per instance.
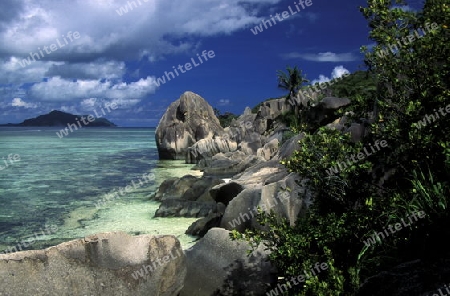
[51, 188]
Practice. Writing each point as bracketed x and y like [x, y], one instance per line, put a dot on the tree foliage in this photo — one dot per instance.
[411, 174]
[292, 81]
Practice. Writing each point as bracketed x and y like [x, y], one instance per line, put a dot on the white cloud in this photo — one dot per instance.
[337, 72]
[18, 102]
[224, 102]
[59, 89]
[70, 109]
[323, 56]
[91, 70]
[12, 73]
[103, 33]
[88, 103]
[321, 79]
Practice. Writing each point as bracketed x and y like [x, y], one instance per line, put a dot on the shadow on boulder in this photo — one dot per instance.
[226, 192]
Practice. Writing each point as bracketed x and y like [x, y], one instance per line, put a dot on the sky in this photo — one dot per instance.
[80, 56]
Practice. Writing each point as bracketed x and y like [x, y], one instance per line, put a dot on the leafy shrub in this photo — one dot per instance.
[412, 174]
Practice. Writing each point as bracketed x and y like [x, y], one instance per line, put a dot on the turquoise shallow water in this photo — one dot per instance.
[58, 182]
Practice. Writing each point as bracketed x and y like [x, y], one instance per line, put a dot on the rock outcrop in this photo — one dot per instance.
[186, 121]
[201, 226]
[285, 197]
[273, 108]
[187, 196]
[101, 264]
[229, 164]
[248, 153]
[218, 266]
[325, 111]
[207, 148]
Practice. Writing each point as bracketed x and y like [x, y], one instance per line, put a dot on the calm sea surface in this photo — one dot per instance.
[58, 182]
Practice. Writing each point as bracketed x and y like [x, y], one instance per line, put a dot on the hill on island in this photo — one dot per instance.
[59, 118]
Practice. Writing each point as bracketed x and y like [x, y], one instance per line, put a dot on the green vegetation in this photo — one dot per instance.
[360, 83]
[292, 81]
[226, 118]
[412, 174]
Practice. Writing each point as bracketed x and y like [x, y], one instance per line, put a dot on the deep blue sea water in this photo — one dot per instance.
[58, 182]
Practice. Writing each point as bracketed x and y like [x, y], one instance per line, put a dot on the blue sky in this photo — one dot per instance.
[98, 53]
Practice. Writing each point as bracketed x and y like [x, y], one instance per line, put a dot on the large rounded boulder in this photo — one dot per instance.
[186, 121]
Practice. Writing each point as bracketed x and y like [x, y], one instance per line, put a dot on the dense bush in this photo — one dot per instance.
[411, 174]
[226, 118]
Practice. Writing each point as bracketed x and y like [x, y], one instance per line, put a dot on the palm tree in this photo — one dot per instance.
[291, 81]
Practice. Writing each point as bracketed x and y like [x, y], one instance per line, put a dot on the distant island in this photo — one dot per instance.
[59, 118]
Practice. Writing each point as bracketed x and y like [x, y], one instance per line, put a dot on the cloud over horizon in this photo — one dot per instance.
[82, 54]
[322, 56]
[94, 67]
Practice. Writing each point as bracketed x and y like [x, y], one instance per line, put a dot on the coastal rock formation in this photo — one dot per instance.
[187, 196]
[207, 148]
[229, 164]
[325, 111]
[201, 226]
[261, 174]
[185, 208]
[285, 197]
[186, 121]
[269, 150]
[287, 149]
[333, 103]
[218, 266]
[248, 152]
[273, 108]
[240, 214]
[101, 264]
[224, 193]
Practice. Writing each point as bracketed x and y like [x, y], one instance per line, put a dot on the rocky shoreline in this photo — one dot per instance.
[241, 172]
[247, 155]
